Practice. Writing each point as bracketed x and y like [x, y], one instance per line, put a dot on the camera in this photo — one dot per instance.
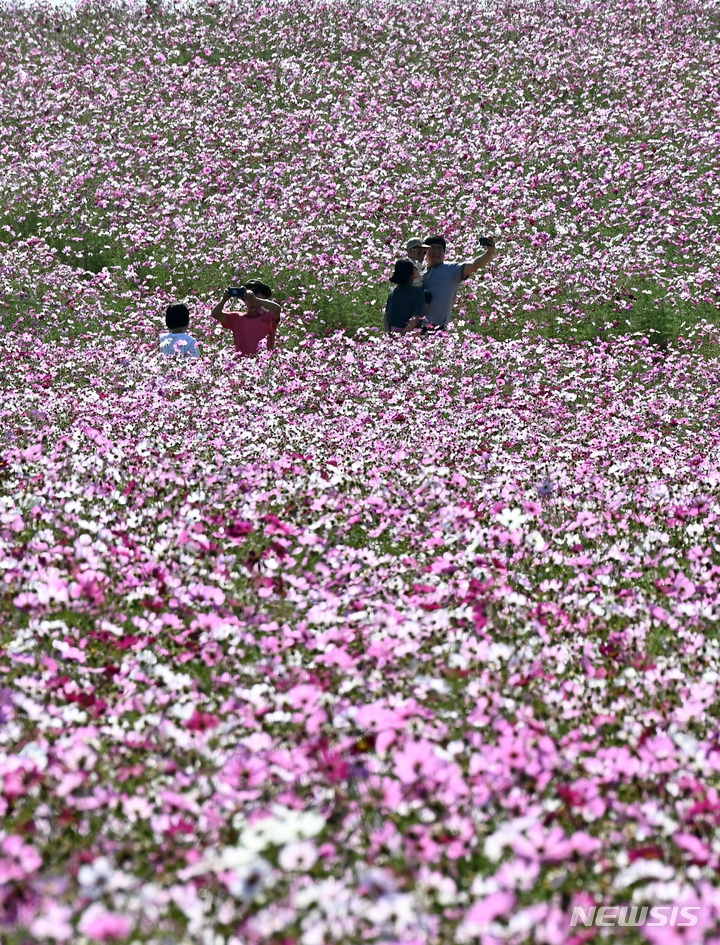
[237, 292]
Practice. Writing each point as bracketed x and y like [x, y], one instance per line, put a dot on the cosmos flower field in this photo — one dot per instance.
[362, 640]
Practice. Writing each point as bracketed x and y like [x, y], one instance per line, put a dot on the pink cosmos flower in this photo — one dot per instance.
[202, 721]
[300, 855]
[53, 923]
[417, 761]
[102, 926]
[6, 705]
[18, 859]
[552, 845]
[481, 914]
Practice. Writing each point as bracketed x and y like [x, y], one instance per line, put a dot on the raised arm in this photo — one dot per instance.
[217, 313]
[470, 267]
[273, 307]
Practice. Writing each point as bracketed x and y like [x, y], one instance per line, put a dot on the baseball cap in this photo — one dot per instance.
[414, 243]
[255, 285]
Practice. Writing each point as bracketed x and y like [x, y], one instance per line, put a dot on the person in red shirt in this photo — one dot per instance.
[259, 320]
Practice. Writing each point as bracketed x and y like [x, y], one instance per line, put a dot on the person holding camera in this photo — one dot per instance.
[259, 320]
[443, 279]
[407, 303]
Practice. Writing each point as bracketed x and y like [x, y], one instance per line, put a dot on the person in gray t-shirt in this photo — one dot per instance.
[443, 279]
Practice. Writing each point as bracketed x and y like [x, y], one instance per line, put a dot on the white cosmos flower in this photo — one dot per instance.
[93, 877]
[235, 857]
[295, 824]
[511, 518]
[643, 869]
[249, 881]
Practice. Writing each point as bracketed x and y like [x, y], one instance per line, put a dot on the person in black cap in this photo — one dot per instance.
[258, 322]
[407, 303]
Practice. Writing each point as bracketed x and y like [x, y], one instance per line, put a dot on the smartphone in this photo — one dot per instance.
[484, 241]
[237, 292]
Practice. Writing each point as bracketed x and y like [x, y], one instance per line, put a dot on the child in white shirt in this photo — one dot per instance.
[177, 342]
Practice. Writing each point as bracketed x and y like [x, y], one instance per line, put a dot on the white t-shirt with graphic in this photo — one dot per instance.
[179, 344]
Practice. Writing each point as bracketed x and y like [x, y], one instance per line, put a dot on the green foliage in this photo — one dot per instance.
[97, 245]
[81, 248]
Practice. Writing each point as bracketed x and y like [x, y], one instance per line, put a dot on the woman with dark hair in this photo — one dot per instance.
[407, 303]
